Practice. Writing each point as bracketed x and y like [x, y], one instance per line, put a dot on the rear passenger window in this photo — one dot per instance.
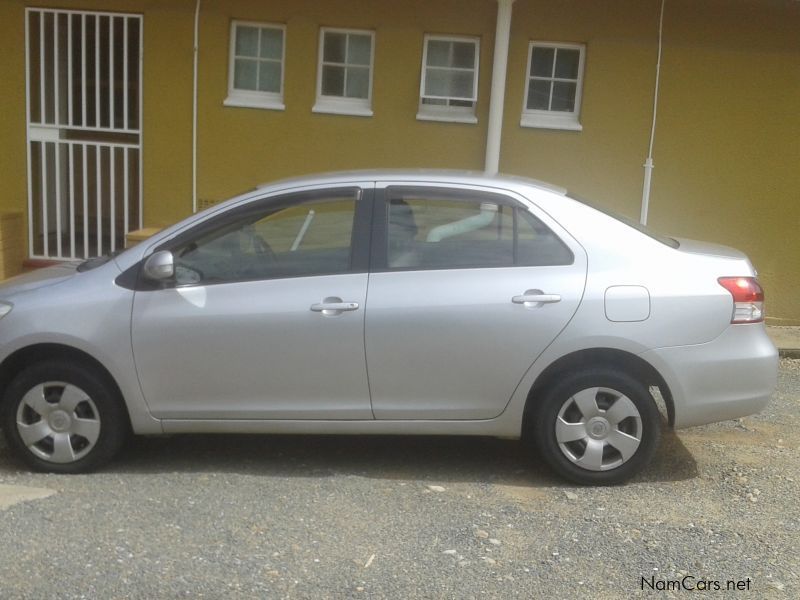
[447, 231]
[537, 245]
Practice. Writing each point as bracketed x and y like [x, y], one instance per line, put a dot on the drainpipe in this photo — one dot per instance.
[498, 93]
[194, 106]
[648, 163]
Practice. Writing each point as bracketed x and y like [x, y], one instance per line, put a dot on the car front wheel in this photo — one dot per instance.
[597, 427]
[63, 417]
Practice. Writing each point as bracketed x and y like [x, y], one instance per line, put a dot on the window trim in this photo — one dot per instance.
[340, 105]
[547, 119]
[449, 114]
[254, 98]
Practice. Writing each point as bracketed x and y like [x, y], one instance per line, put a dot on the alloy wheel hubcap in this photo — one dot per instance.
[58, 422]
[598, 429]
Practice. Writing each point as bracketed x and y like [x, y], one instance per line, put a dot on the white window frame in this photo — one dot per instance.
[254, 98]
[340, 105]
[547, 119]
[452, 114]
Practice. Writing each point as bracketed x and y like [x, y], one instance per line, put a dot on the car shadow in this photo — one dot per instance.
[418, 458]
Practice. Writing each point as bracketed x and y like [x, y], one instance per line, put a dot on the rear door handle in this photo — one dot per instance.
[536, 297]
[333, 306]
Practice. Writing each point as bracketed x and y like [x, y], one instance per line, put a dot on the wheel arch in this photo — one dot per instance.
[598, 357]
[16, 362]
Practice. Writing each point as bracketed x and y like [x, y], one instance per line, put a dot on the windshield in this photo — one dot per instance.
[667, 241]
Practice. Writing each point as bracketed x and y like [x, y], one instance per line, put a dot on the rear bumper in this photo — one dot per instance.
[730, 377]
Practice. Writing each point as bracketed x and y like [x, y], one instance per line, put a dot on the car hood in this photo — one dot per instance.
[709, 249]
[37, 279]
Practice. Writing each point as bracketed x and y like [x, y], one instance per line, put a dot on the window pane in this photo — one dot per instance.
[246, 41]
[311, 238]
[334, 47]
[542, 61]
[311, 226]
[438, 53]
[357, 82]
[539, 95]
[358, 49]
[332, 81]
[444, 233]
[464, 55]
[437, 82]
[271, 43]
[465, 103]
[567, 61]
[563, 96]
[537, 245]
[245, 74]
[269, 76]
[462, 84]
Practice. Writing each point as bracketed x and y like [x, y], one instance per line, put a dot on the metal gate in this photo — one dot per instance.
[84, 86]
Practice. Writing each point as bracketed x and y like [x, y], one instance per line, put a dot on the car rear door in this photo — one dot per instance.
[265, 317]
[467, 288]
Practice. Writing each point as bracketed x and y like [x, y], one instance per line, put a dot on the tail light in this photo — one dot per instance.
[748, 298]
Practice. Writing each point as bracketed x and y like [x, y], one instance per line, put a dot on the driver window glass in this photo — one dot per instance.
[304, 238]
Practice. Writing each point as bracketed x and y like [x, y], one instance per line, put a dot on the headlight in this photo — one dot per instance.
[5, 308]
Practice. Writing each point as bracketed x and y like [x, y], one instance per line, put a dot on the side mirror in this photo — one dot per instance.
[159, 266]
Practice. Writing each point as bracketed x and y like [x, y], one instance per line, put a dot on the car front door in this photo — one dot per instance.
[468, 287]
[264, 318]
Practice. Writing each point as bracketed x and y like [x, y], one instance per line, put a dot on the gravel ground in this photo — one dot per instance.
[381, 517]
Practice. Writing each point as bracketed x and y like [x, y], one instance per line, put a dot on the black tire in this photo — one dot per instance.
[80, 439]
[558, 406]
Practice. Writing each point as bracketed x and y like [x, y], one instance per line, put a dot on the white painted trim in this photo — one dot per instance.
[43, 127]
[344, 106]
[498, 91]
[540, 121]
[340, 105]
[244, 99]
[548, 119]
[140, 122]
[438, 112]
[49, 134]
[648, 163]
[446, 114]
[195, 61]
[254, 98]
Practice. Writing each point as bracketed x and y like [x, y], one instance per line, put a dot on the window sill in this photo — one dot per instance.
[551, 122]
[444, 117]
[335, 107]
[254, 102]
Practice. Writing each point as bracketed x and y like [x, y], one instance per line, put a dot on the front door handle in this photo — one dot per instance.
[536, 297]
[333, 306]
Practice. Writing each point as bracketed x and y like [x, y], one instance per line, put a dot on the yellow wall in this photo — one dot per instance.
[604, 161]
[167, 101]
[727, 151]
[251, 146]
[13, 162]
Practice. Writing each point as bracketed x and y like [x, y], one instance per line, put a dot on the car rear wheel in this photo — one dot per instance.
[63, 418]
[597, 427]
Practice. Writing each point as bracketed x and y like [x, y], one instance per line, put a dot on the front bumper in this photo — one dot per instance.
[730, 377]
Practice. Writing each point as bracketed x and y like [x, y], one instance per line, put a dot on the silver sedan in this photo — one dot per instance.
[388, 303]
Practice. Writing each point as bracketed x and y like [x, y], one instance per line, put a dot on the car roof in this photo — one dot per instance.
[415, 175]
